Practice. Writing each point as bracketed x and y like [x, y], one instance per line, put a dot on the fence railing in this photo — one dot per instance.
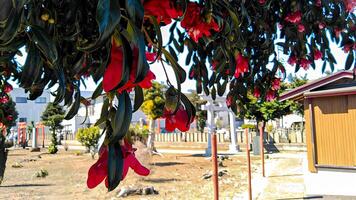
[276, 136]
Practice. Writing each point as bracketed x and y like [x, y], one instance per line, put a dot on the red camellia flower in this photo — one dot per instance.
[195, 24]
[276, 84]
[256, 92]
[280, 26]
[262, 1]
[113, 73]
[350, 5]
[4, 99]
[294, 17]
[229, 101]
[99, 171]
[241, 65]
[292, 60]
[301, 28]
[164, 11]
[9, 118]
[304, 63]
[151, 56]
[179, 120]
[318, 3]
[317, 54]
[321, 25]
[270, 95]
[348, 47]
[7, 88]
[337, 31]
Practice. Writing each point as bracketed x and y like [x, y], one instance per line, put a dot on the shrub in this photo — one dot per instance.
[249, 126]
[52, 148]
[89, 138]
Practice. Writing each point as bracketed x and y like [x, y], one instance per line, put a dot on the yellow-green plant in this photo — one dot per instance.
[89, 138]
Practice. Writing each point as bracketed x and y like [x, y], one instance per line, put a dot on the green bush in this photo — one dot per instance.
[52, 148]
[89, 138]
[249, 126]
[137, 133]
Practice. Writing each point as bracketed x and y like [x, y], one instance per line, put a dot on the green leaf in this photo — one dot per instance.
[117, 119]
[178, 70]
[138, 98]
[159, 37]
[213, 93]
[108, 16]
[104, 112]
[44, 43]
[323, 68]
[115, 166]
[135, 10]
[32, 67]
[98, 91]
[73, 110]
[350, 59]
[12, 25]
[142, 65]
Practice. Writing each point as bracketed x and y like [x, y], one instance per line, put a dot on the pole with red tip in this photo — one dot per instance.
[262, 151]
[215, 166]
[248, 165]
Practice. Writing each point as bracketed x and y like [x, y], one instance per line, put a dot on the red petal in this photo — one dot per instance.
[98, 171]
[113, 72]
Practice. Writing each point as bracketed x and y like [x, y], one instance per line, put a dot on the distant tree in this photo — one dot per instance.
[53, 117]
[153, 106]
[201, 115]
[263, 111]
[8, 116]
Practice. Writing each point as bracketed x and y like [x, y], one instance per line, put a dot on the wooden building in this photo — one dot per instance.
[330, 122]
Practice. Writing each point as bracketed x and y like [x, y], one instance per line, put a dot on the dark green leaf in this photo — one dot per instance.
[73, 110]
[138, 98]
[44, 43]
[135, 10]
[115, 165]
[350, 59]
[98, 91]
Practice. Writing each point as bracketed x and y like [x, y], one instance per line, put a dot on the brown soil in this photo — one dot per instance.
[174, 176]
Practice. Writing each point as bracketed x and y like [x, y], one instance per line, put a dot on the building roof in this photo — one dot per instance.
[308, 89]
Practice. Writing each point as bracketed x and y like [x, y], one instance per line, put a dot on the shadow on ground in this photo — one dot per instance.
[160, 180]
[166, 164]
[26, 185]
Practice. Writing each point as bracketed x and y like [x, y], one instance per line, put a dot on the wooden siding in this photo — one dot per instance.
[307, 117]
[335, 131]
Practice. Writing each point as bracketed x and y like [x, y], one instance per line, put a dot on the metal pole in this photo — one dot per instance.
[43, 137]
[248, 165]
[215, 166]
[262, 151]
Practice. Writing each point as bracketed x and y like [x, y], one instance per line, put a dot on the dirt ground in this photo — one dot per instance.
[174, 176]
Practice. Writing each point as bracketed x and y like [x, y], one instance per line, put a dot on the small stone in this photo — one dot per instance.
[17, 165]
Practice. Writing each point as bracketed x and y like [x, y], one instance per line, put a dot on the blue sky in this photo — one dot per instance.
[339, 55]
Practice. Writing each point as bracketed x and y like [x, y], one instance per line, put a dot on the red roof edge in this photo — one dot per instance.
[315, 84]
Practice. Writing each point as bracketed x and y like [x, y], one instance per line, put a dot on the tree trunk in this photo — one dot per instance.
[151, 136]
[3, 157]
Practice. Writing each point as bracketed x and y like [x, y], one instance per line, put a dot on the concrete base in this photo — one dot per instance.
[208, 152]
[36, 149]
[330, 182]
[234, 149]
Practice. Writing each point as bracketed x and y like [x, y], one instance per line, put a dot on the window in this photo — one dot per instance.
[22, 119]
[41, 100]
[21, 100]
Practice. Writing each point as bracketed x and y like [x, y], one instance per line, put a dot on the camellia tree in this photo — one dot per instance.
[8, 116]
[114, 41]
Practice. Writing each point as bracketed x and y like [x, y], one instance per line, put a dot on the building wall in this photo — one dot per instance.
[335, 135]
[29, 110]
